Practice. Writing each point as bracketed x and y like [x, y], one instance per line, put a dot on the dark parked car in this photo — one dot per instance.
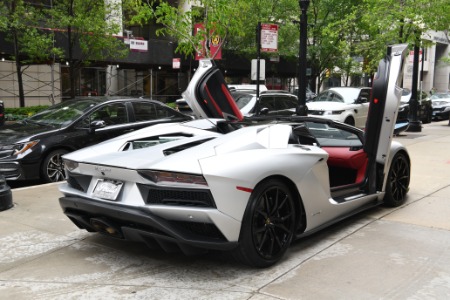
[441, 106]
[424, 108]
[271, 102]
[2, 113]
[32, 148]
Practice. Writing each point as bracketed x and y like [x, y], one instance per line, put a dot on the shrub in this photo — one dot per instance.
[19, 113]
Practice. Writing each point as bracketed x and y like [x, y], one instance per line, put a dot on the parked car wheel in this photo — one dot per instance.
[350, 121]
[53, 166]
[268, 225]
[397, 181]
[428, 116]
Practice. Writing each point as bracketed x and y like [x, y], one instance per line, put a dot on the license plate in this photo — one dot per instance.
[107, 189]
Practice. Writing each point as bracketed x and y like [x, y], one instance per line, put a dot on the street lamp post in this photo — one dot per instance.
[302, 110]
[414, 124]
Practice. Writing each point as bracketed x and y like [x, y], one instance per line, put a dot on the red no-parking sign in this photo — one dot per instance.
[269, 37]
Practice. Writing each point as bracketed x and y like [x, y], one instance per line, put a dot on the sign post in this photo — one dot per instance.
[267, 41]
[269, 37]
[258, 55]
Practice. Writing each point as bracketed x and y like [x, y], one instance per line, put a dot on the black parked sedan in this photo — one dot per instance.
[424, 108]
[32, 148]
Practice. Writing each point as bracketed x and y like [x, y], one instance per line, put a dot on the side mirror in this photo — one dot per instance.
[361, 100]
[263, 111]
[96, 124]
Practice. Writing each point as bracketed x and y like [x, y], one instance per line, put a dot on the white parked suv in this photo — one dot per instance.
[348, 105]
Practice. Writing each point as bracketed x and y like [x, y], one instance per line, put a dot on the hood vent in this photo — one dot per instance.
[179, 148]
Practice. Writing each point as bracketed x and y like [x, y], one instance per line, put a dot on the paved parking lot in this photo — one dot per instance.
[401, 253]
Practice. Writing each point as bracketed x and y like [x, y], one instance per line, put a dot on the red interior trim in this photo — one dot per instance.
[343, 157]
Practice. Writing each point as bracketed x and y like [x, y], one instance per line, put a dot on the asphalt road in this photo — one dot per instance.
[401, 253]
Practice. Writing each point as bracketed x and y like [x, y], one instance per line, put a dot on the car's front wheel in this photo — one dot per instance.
[52, 168]
[268, 225]
[397, 181]
[350, 121]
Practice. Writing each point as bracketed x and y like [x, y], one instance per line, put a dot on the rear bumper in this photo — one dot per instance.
[134, 224]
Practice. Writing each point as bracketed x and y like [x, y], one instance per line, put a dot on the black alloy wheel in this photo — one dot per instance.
[53, 166]
[397, 181]
[268, 225]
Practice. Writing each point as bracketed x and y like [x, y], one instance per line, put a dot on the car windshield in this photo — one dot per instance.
[242, 99]
[328, 96]
[439, 96]
[62, 113]
[333, 137]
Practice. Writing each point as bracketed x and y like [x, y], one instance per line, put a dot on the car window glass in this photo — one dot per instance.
[111, 114]
[333, 137]
[162, 112]
[291, 102]
[267, 101]
[322, 97]
[242, 99]
[326, 96]
[337, 98]
[365, 93]
[62, 113]
[144, 111]
[283, 102]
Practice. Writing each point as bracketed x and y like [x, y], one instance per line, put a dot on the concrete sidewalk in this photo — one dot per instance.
[401, 253]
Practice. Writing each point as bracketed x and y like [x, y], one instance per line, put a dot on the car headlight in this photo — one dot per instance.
[447, 108]
[172, 177]
[70, 165]
[333, 112]
[19, 148]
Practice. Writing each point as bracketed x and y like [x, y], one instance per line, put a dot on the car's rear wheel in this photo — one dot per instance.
[52, 168]
[397, 181]
[268, 225]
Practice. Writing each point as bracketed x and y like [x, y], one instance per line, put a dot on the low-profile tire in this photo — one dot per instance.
[350, 121]
[52, 169]
[268, 225]
[397, 184]
[428, 117]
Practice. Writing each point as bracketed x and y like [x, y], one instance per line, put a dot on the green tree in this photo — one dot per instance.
[403, 21]
[32, 44]
[221, 18]
[89, 28]
[350, 36]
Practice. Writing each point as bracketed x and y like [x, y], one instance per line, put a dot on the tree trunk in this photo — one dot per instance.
[18, 70]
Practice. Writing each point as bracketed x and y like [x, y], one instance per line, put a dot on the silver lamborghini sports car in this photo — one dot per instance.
[249, 187]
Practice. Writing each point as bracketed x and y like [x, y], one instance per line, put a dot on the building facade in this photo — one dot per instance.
[435, 72]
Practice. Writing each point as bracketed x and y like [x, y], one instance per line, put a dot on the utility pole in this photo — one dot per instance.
[414, 124]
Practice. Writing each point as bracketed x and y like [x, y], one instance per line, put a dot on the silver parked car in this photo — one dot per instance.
[250, 188]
